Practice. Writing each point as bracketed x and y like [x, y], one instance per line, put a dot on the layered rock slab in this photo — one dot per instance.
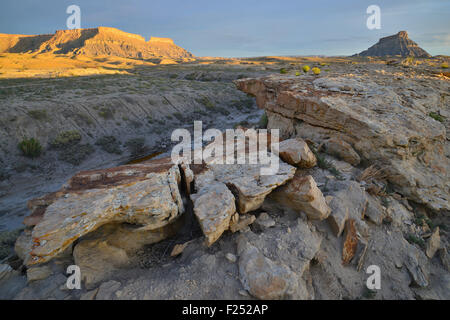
[213, 206]
[302, 194]
[377, 116]
[146, 194]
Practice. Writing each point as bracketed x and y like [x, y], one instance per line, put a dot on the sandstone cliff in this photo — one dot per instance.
[94, 42]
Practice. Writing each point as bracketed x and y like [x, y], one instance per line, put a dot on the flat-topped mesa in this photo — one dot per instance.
[101, 41]
[161, 40]
[371, 115]
[397, 44]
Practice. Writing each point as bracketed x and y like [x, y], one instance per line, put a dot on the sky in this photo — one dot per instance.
[245, 28]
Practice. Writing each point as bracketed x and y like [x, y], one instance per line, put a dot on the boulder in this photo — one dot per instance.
[264, 221]
[348, 202]
[342, 150]
[297, 153]
[263, 278]
[214, 204]
[244, 221]
[374, 211]
[107, 290]
[38, 273]
[433, 243]
[145, 194]
[98, 260]
[302, 194]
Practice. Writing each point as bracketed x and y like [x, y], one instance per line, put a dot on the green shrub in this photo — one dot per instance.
[325, 164]
[206, 102]
[109, 144]
[4, 174]
[106, 113]
[297, 74]
[315, 70]
[179, 116]
[414, 239]
[66, 139]
[283, 71]
[136, 146]
[76, 154]
[7, 240]
[38, 114]
[263, 121]
[305, 69]
[436, 116]
[30, 148]
[368, 293]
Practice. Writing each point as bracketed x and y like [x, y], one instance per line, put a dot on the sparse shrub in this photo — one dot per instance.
[305, 69]
[191, 76]
[315, 70]
[7, 240]
[223, 111]
[30, 148]
[368, 293]
[206, 102]
[109, 144]
[76, 154]
[283, 71]
[178, 115]
[421, 219]
[242, 123]
[66, 139]
[136, 146]
[325, 164]
[81, 119]
[436, 116]
[323, 64]
[106, 113]
[411, 238]
[38, 114]
[3, 174]
[297, 74]
[263, 121]
[444, 65]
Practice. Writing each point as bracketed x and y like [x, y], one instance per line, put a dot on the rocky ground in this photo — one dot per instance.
[363, 181]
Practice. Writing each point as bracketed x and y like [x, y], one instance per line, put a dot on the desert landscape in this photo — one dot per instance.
[86, 178]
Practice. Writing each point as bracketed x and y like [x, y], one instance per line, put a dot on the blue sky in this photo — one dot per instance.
[238, 28]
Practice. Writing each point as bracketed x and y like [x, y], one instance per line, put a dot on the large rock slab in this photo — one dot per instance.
[350, 202]
[214, 205]
[385, 119]
[249, 187]
[302, 194]
[145, 194]
[297, 153]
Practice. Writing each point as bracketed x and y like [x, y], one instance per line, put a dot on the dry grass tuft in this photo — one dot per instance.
[372, 173]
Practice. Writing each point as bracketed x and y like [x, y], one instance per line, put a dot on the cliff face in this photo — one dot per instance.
[398, 44]
[94, 42]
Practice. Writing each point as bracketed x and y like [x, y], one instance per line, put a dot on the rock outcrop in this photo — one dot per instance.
[302, 195]
[145, 194]
[101, 41]
[397, 44]
[376, 116]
